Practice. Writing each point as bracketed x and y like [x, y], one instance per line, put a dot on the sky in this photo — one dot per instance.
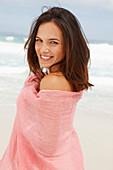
[95, 16]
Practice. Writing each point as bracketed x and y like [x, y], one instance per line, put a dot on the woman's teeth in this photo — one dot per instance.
[45, 57]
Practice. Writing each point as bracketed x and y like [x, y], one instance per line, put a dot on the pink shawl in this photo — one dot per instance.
[43, 136]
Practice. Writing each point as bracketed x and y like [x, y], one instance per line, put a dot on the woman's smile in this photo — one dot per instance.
[45, 57]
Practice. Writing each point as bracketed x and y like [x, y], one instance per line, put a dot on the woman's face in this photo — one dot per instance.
[49, 45]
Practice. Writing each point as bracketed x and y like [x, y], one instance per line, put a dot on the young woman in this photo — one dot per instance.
[43, 136]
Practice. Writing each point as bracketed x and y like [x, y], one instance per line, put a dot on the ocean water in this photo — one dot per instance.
[14, 70]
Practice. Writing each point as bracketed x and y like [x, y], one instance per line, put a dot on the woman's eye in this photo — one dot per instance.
[39, 40]
[54, 42]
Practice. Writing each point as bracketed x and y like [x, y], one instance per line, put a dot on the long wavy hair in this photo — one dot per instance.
[74, 65]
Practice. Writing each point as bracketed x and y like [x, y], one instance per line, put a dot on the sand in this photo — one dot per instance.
[95, 132]
[7, 116]
[96, 138]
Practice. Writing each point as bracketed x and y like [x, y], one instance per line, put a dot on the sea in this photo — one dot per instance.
[14, 71]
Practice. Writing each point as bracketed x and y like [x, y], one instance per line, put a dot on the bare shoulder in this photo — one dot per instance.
[55, 82]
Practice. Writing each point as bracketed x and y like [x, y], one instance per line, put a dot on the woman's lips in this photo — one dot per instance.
[45, 58]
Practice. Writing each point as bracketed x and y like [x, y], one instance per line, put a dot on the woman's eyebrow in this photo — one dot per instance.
[54, 39]
[49, 38]
[37, 37]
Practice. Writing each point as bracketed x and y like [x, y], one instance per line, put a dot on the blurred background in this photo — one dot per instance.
[94, 117]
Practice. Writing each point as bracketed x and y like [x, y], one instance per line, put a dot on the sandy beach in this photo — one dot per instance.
[96, 138]
[94, 128]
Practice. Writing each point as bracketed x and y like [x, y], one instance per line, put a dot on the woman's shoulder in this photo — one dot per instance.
[55, 81]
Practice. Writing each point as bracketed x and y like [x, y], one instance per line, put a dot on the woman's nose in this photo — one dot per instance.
[44, 48]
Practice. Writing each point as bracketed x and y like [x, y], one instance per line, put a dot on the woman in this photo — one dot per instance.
[43, 136]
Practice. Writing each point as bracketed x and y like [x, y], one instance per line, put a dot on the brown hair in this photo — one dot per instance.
[74, 66]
